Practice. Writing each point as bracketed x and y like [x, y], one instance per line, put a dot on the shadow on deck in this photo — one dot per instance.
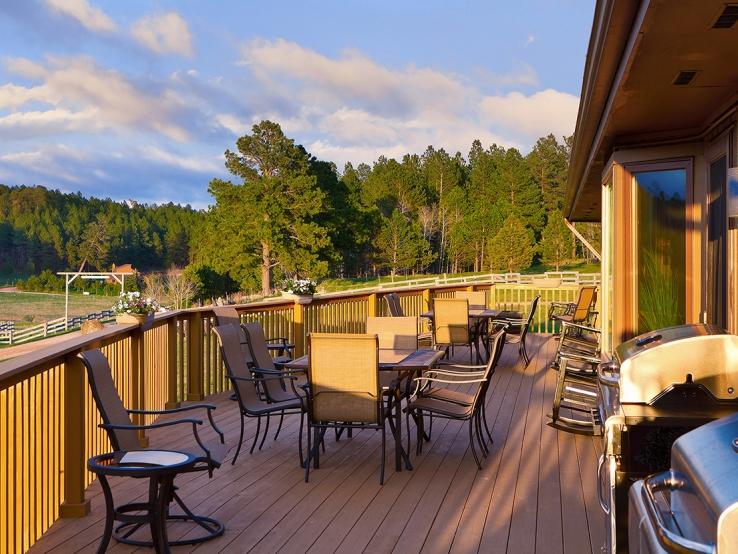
[535, 493]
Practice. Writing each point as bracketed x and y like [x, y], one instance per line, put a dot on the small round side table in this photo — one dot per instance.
[160, 467]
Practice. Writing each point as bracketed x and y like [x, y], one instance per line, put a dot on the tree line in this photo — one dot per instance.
[47, 229]
[285, 213]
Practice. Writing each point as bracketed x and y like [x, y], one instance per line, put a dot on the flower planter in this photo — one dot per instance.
[298, 298]
[145, 320]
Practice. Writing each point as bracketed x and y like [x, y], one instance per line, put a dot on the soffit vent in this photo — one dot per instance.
[685, 77]
[728, 18]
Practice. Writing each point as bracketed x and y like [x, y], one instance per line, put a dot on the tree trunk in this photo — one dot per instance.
[266, 269]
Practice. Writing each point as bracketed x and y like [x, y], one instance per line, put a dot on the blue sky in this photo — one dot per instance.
[139, 99]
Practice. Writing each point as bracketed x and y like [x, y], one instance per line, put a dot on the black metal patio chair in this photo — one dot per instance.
[122, 432]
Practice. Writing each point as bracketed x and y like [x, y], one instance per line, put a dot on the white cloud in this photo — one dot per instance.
[90, 98]
[547, 111]
[164, 34]
[89, 16]
[350, 108]
[530, 40]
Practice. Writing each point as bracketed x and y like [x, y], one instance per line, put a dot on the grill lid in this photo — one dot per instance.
[707, 461]
[703, 355]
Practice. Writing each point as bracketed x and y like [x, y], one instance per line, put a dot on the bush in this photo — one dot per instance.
[46, 281]
[210, 283]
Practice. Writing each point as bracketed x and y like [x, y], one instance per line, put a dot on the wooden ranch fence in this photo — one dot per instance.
[45, 439]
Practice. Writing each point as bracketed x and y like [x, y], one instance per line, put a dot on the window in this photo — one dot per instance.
[660, 233]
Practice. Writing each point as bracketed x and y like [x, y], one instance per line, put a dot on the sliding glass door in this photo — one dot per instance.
[660, 202]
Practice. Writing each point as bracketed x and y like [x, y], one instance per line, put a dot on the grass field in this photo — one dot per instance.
[31, 308]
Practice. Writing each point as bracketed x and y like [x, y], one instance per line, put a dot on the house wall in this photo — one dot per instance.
[622, 316]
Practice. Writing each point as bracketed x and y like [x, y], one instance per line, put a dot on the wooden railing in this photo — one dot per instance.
[45, 438]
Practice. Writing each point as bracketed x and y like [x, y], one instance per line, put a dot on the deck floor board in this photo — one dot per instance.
[536, 491]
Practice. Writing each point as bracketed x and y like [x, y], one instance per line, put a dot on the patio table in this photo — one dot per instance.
[406, 363]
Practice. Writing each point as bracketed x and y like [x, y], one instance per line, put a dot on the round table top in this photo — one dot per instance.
[141, 463]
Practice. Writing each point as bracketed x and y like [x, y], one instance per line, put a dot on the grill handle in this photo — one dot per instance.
[667, 538]
[601, 497]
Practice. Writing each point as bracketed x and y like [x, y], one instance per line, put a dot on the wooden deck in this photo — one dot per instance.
[535, 493]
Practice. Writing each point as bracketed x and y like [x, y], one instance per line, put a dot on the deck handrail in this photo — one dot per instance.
[48, 422]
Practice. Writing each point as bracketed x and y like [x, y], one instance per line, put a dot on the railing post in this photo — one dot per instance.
[74, 503]
[373, 309]
[194, 357]
[172, 400]
[138, 383]
[298, 322]
[427, 299]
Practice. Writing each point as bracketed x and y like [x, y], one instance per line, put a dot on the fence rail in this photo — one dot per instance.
[11, 335]
[45, 439]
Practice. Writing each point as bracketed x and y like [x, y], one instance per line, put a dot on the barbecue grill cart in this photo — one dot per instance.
[659, 386]
[692, 507]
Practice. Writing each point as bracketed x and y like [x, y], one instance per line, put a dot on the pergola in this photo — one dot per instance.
[70, 276]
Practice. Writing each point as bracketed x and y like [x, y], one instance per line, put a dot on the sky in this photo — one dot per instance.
[139, 99]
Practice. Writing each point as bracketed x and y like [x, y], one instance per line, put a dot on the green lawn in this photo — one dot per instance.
[31, 308]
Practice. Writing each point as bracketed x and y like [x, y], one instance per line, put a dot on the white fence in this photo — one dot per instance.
[10, 335]
[549, 279]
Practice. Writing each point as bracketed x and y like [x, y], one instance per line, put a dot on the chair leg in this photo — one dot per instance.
[381, 470]
[318, 440]
[480, 437]
[419, 426]
[309, 453]
[108, 532]
[240, 442]
[299, 440]
[279, 428]
[430, 427]
[471, 444]
[256, 436]
[266, 432]
[484, 420]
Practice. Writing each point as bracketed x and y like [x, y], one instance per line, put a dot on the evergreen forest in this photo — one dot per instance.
[285, 213]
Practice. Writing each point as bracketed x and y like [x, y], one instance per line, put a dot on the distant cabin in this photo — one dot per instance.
[126, 269]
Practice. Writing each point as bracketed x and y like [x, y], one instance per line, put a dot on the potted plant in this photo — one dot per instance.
[301, 290]
[133, 308]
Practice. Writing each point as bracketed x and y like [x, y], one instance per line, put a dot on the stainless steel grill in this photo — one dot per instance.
[659, 386]
[693, 507]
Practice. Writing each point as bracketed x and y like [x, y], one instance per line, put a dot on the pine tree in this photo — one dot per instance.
[557, 241]
[401, 246]
[512, 248]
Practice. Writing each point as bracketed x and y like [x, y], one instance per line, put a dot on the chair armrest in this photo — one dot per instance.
[257, 379]
[132, 427]
[451, 364]
[284, 372]
[567, 324]
[574, 357]
[208, 407]
[433, 372]
[452, 382]
[281, 339]
[173, 410]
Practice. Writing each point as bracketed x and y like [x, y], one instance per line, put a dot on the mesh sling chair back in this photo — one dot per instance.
[344, 390]
[580, 311]
[123, 435]
[436, 401]
[477, 298]
[226, 315]
[393, 305]
[244, 380]
[398, 333]
[451, 324]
